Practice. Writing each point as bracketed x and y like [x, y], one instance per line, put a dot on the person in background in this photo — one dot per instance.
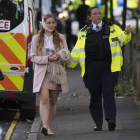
[102, 9]
[98, 50]
[81, 14]
[44, 48]
[138, 9]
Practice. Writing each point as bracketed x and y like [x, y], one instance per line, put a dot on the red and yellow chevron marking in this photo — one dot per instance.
[12, 52]
[22, 42]
[13, 44]
[8, 54]
[12, 83]
[8, 65]
[8, 82]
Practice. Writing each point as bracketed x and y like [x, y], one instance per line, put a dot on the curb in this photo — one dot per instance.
[33, 135]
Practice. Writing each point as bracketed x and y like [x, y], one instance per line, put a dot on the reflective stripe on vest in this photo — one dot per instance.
[116, 54]
[78, 50]
[74, 60]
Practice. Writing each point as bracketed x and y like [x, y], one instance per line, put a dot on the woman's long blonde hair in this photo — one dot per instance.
[56, 38]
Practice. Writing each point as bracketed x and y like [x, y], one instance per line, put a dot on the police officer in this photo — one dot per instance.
[82, 17]
[98, 50]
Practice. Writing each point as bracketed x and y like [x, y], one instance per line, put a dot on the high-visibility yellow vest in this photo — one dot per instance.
[91, 3]
[114, 3]
[78, 52]
[102, 9]
[132, 4]
[76, 4]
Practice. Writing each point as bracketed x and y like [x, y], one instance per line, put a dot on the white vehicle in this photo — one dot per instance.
[17, 26]
[131, 6]
[118, 7]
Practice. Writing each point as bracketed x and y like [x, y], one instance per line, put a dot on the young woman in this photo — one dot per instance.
[43, 52]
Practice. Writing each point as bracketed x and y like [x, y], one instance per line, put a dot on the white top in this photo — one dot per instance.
[49, 44]
[100, 26]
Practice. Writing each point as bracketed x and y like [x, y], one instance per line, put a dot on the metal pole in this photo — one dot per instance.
[124, 13]
[138, 79]
[123, 27]
[111, 10]
[137, 24]
[106, 8]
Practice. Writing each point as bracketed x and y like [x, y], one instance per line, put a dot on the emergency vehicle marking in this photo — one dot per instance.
[7, 67]
[5, 38]
[12, 64]
[1, 87]
[6, 52]
[13, 73]
[8, 82]
[18, 50]
[25, 35]
[22, 41]
[17, 81]
[22, 77]
[14, 82]
[13, 53]
[4, 24]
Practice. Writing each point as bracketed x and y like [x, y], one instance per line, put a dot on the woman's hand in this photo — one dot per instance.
[53, 57]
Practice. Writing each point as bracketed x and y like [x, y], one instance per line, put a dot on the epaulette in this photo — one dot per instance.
[87, 29]
[84, 28]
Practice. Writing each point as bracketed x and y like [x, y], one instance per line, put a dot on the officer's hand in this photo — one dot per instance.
[128, 29]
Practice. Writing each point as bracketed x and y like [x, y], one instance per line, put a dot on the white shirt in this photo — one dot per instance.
[100, 26]
[49, 44]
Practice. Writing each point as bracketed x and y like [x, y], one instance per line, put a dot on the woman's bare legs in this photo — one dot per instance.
[48, 106]
[44, 106]
[53, 94]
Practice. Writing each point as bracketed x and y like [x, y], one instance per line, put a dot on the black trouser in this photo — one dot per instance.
[100, 80]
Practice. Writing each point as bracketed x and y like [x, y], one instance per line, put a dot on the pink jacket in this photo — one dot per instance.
[41, 60]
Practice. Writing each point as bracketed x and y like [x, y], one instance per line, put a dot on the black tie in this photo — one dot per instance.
[97, 28]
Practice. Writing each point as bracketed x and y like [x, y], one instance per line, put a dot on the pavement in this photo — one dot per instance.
[73, 120]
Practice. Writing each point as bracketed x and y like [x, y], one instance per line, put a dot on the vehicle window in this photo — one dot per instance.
[11, 14]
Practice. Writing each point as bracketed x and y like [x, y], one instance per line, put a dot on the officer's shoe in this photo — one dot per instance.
[111, 125]
[98, 128]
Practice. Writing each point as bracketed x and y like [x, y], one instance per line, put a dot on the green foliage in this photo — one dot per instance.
[77, 95]
[125, 87]
[138, 103]
[134, 30]
[74, 95]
